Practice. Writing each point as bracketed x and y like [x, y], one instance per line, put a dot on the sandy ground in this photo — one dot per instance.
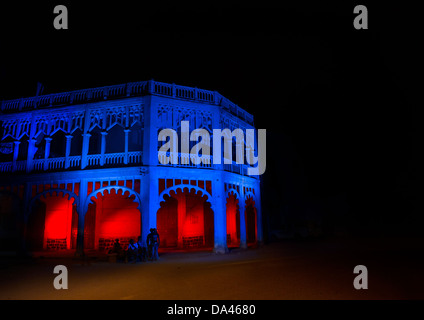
[320, 269]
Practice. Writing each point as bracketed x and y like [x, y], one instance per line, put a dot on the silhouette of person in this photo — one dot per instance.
[153, 240]
[117, 249]
[149, 244]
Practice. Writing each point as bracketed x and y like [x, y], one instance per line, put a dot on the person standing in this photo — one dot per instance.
[149, 244]
[117, 249]
[155, 245]
[153, 241]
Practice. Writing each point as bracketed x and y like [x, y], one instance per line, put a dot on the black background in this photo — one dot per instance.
[340, 105]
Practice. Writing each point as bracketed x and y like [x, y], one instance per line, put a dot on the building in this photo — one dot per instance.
[79, 169]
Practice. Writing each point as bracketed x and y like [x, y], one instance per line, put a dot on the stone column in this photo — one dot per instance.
[68, 150]
[85, 145]
[150, 137]
[15, 154]
[242, 209]
[220, 218]
[103, 148]
[32, 149]
[127, 131]
[47, 152]
[216, 124]
[240, 154]
[149, 202]
[81, 218]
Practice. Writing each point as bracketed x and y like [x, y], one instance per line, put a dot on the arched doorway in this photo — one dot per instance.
[51, 223]
[167, 222]
[233, 221]
[185, 220]
[111, 215]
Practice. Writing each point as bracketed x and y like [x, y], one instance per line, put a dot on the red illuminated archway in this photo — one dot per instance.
[185, 219]
[233, 219]
[112, 213]
[52, 221]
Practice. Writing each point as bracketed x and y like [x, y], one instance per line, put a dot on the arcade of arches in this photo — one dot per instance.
[53, 223]
[185, 220]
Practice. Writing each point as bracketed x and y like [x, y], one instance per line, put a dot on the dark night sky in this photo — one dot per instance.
[339, 104]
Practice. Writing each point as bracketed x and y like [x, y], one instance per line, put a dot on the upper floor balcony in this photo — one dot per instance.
[132, 158]
[73, 162]
[186, 160]
[120, 91]
[39, 136]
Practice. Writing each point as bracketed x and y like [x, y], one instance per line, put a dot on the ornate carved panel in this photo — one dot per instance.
[171, 117]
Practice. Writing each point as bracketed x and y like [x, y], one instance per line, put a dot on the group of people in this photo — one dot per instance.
[137, 251]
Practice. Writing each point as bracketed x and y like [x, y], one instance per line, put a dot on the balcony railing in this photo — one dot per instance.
[184, 160]
[93, 160]
[125, 90]
[114, 159]
[5, 166]
[73, 162]
[55, 163]
[236, 168]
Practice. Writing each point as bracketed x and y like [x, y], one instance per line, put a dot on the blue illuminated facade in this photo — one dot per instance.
[82, 144]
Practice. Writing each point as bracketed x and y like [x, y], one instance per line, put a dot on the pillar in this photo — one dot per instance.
[15, 154]
[127, 131]
[220, 218]
[103, 148]
[242, 208]
[32, 149]
[81, 211]
[216, 124]
[85, 145]
[68, 150]
[86, 136]
[47, 152]
[149, 202]
[150, 137]
[144, 218]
